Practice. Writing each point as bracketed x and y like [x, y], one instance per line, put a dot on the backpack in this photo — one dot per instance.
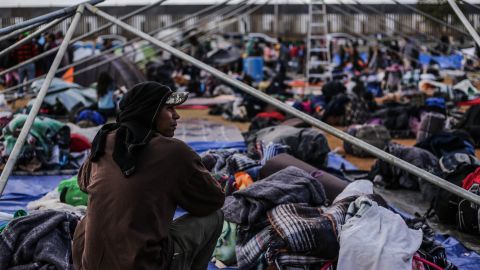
[71, 194]
[468, 214]
[92, 116]
[345, 109]
[430, 123]
[456, 166]
[396, 118]
[376, 135]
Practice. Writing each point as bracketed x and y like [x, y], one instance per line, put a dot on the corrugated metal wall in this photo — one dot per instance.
[289, 25]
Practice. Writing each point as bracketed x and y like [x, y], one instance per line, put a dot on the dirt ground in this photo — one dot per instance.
[334, 143]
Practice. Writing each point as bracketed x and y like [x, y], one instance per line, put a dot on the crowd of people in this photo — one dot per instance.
[277, 202]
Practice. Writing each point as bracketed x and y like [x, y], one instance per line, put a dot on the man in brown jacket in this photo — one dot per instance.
[136, 176]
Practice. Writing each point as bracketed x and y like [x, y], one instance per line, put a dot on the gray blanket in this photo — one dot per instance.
[38, 241]
[290, 185]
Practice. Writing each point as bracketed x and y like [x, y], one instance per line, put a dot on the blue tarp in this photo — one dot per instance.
[453, 61]
[201, 147]
[337, 162]
[336, 58]
[463, 258]
[21, 190]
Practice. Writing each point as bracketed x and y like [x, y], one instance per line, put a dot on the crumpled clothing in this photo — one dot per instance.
[452, 162]
[216, 160]
[242, 180]
[45, 135]
[309, 229]
[250, 253]
[430, 123]
[271, 150]
[472, 178]
[297, 232]
[442, 143]
[51, 201]
[355, 188]
[373, 237]
[431, 249]
[306, 144]
[248, 207]
[240, 162]
[394, 177]
[38, 241]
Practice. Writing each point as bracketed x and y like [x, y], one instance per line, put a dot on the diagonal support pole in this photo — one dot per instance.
[68, 11]
[31, 36]
[79, 38]
[290, 110]
[177, 22]
[12, 159]
[465, 21]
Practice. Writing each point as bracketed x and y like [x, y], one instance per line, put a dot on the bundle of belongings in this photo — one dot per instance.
[49, 145]
[463, 170]
[343, 108]
[287, 221]
[289, 214]
[38, 241]
[376, 135]
[66, 197]
[281, 212]
[397, 118]
[448, 155]
[471, 123]
[306, 144]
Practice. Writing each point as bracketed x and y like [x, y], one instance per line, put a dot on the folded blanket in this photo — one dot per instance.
[249, 206]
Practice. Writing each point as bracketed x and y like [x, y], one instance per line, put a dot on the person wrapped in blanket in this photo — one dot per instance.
[136, 176]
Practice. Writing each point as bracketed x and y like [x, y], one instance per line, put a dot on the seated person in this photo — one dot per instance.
[136, 176]
[105, 95]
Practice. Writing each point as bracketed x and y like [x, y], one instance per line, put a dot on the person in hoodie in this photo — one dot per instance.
[136, 177]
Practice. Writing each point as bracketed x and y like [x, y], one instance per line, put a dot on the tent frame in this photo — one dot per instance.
[225, 78]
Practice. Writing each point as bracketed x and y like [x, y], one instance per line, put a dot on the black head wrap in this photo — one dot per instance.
[135, 125]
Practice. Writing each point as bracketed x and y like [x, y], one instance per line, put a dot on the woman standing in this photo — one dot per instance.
[105, 99]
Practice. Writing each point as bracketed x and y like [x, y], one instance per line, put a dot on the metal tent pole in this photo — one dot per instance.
[380, 44]
[290, 110]
[31, 36]
[79, 38]
[177, 22]
[470, 4]
[465, 21]
[12, 159]
[106, 61]
[404, 25]
[46, 17]
[19, 31]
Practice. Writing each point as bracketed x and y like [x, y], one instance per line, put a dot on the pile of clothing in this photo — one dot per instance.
[50, 145]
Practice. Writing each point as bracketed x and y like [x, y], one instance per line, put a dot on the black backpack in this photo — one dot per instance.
[456, 166]
[376, 135]
[468, 215]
